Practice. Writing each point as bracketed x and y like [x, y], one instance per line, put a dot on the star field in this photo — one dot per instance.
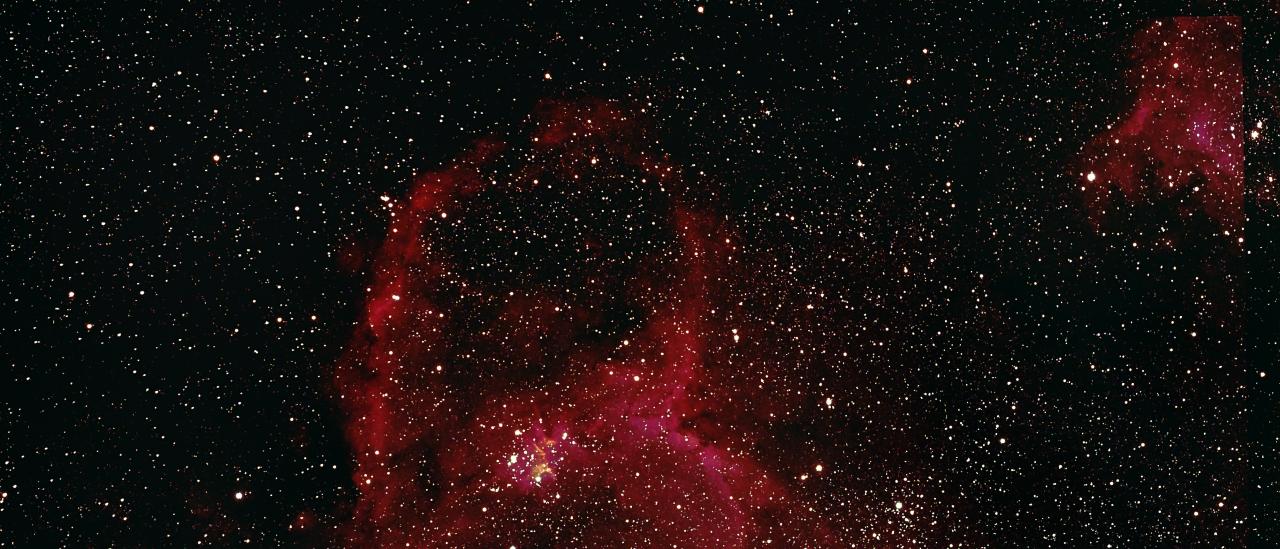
[674, 275]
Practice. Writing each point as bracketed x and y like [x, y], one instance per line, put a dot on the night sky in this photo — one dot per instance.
[694, 275]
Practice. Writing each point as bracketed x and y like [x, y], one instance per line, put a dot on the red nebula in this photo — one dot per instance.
[626, 441]
[1183, 138]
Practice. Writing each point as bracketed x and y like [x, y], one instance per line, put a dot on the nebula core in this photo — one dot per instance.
[633, 436]
[1182, 141]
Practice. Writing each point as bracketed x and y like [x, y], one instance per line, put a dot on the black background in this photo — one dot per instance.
[203, 373]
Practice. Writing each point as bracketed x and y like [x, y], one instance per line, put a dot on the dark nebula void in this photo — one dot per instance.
[1182, 141]
[577, 373]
